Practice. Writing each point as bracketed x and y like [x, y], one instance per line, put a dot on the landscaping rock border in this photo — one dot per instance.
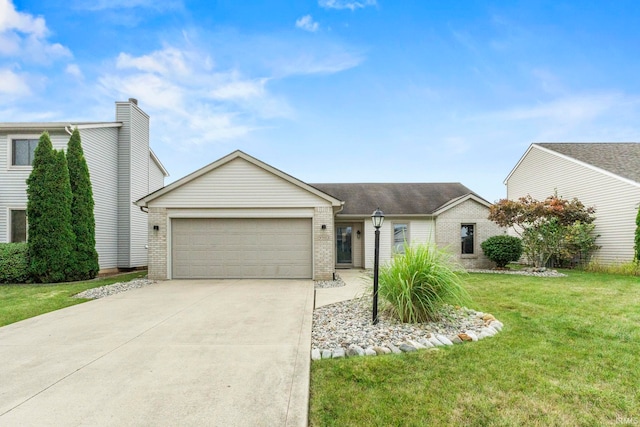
[116, 288]
[323, 284]
[346, 329]
[526, 272]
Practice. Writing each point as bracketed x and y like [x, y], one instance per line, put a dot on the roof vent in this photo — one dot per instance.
[133, 101]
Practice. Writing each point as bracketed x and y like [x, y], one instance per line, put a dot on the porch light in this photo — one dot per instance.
[377, 218]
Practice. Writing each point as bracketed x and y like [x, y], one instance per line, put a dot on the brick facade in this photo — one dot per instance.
[448, 226]
[323, 253]
[158, 244]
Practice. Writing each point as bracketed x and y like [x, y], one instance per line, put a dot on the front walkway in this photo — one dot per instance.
[358, 282]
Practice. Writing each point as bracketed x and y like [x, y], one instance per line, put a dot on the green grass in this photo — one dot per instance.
[19, 302]
[568, 356]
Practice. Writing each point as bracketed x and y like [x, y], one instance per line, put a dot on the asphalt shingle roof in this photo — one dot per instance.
[394, 199]
[620, 158]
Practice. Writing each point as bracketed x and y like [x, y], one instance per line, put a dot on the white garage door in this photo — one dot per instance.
[241, 248]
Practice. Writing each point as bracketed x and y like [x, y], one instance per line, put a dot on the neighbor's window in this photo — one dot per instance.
[23, 151]
[18, 225]
[400, 237]
[466, 235]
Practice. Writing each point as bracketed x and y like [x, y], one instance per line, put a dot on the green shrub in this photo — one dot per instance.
[502, 249]
[14, 264]
[415, 285]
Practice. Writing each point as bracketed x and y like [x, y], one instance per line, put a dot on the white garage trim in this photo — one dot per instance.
[242, 213]
[241, 248]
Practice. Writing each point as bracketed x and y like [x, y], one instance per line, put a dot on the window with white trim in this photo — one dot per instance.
[18, 225]
[22, 151]
[400, 236]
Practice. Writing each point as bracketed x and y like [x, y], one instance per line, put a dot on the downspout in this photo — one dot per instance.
[67, 128]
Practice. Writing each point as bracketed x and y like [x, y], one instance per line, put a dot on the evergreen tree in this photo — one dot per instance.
[85, 256]
[50, 237]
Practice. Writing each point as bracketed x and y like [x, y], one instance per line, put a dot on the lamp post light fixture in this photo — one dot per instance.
[378, 218]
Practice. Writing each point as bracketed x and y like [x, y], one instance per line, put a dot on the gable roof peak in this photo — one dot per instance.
[619, 158]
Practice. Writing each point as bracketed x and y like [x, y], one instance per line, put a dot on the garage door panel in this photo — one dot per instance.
[241, 248]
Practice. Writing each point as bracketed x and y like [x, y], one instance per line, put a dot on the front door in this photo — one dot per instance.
[344, 255]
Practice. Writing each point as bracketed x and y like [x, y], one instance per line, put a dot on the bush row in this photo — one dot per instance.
[14, 265]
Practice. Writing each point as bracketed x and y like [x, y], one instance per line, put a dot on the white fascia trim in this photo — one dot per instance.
[517, 164]
[460, 200]
[155, 158]
[226, 159]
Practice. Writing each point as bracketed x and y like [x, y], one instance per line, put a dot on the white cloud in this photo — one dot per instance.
[11, 19]
[571, 108]
[319, 63]
[306, 23]
[187, 96]
[166, 61]
[13, 84]
[245, 89]
[346, 4]
[25, 36]
[74, 70]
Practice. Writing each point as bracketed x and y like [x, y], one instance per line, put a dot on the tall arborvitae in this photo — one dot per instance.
[50, 238]
[85, 257]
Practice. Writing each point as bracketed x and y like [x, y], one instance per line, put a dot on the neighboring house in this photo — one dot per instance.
[122, 168]
[603, 175]
[241, 218]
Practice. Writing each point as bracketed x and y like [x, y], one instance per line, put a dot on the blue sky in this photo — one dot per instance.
[334, 90]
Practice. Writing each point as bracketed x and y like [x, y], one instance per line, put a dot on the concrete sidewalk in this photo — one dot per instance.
[357, 283]
[199, 352]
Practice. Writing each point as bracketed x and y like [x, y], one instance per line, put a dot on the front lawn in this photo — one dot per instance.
[19, 302]
[569, 354]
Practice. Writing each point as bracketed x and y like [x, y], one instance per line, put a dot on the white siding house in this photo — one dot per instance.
[122, 169]
[603, 175]
[241, 218]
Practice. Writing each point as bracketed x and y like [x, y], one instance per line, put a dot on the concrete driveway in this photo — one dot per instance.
[198, 352]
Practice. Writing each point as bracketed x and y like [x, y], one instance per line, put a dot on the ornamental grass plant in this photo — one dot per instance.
[415, 285]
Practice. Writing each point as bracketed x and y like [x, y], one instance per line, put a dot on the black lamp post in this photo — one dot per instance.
[378, 218]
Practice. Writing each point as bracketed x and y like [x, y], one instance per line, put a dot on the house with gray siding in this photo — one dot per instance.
[122, 167]
[239, 217]
[603, 175]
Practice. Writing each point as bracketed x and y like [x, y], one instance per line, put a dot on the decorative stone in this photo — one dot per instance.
[472, 335]
[458, 340]
[433, 340]
[464, 337]
[381, 350]
[489, 331]
[407, 348]
[355, 350]
[369, 351]
[444, 340]
[326, 354]
[425, 342]
[496, 324]
[315, 354]
[416, 344]
[338, 353]
[394, 349]
[487, 318]
[482, 335]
